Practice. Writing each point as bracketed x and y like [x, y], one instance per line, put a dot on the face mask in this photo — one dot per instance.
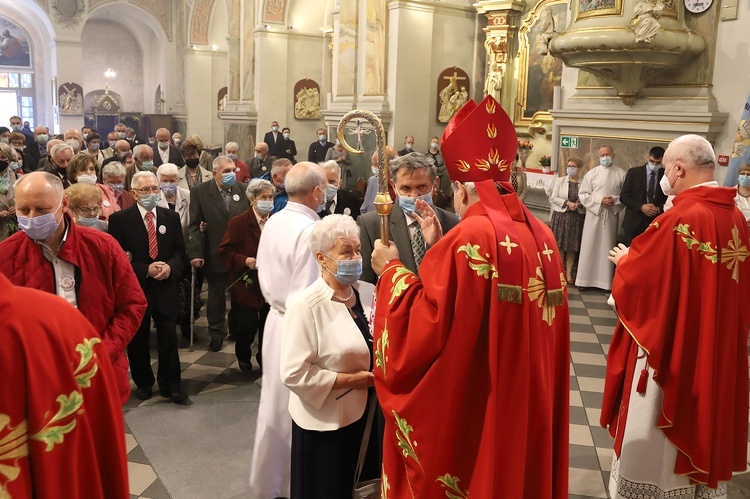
[121, 154]
[87, 179]
[85, 136]
[4, 140]
[434, 145]
[121, 135]
[347, 271]
[275, 128]
[651, 166]
[322, 138]
[264, 207]
[16, 128]
[744, 180]
[233, 157]
[4, 165]
[94, 146]
[605, 161]
[258, 155]
[168, 188]
[228, 179]
[151, 142]
[17, 165]
[408, 147]
[112, 143]
[374, 170]
[149, 201]
[117, 187]
[146, 165]
[666, 188]
[41, 227]
[42, 139]
[163, 146]
[572, 171]
[338, 144]
[331, 191]
[192, 162]
[286, 136]
[322, 206]
[408, 204]
[176, 141]
[87, 222]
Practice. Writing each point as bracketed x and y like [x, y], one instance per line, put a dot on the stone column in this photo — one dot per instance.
[68, 56]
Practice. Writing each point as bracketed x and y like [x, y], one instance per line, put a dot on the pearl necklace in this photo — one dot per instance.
[344, 300]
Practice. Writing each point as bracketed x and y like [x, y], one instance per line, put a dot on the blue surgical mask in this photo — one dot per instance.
[651, 166]
[94, 146]
[572, 171]
[42, 139]
[408, 204]
[168, 188]
[16, 128]
[347, 271]
[322, 138]
[41, 227]
[149, 201]
[322, 206]
[121, 135]
[146, 165]
[605, 161]
[331, 191]
[233, 157]
[86, 221]
[228, 179]
[744, 180]
[117, 187]
[264, 207]
[112, 143]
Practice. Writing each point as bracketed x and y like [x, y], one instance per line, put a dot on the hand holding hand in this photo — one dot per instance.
[164, 272]
[607, 201]
[571, 205]
[382, 254]
[154, 269]
[616, 253]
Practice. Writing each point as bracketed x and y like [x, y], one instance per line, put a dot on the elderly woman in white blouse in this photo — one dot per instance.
[326, 361]
[175, 197]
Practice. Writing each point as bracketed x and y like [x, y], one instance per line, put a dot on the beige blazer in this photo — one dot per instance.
[319, 340]
[182, 176]
[559, 194]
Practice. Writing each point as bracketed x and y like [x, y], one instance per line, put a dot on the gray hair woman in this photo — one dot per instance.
[8, 177]
[326, 352]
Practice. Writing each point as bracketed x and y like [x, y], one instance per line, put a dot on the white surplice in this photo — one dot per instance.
[285, 266]
[600, 226]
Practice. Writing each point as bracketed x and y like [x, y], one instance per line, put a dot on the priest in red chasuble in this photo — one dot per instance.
[676, 391]
[61, 425]
[472, 358]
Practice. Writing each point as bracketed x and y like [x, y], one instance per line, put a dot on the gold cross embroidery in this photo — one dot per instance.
[547, 252]
[508, 244]
[734, 254]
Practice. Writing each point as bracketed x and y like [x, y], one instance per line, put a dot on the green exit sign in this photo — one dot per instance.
[567, 142]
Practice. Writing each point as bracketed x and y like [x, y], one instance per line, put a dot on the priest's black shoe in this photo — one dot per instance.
[246, 367]
[216, 344]
[177, 396]
[143, 393]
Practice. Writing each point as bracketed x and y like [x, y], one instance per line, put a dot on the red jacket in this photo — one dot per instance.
[107, 291]
[240, 242]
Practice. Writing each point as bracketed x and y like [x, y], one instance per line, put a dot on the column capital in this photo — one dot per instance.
[494, 8]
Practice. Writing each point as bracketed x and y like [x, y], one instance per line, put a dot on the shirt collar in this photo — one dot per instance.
[143, 211]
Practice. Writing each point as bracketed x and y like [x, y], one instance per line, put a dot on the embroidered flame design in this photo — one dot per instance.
[490, 107]
[463, 166]
[492, 160]
[503, 165]
[491, 131]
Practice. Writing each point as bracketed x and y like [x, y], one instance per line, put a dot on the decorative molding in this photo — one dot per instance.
[161, 10]
[274, 11]
[68, 13]
[43, 5]
[199, 24]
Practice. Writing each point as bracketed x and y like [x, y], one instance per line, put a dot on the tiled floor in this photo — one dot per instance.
[592, 324]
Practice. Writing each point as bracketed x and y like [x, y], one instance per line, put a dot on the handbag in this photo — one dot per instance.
[368, 489]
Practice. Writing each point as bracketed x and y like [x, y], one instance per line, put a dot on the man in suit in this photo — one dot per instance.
[39, 149]
[642, 195]
[164, 152]
[289, 147]
[122, 147]
[408, 146]
[317, 151]
[212, 204]
[338, 200]
[16, 126]
[18, 142]
[120, 130]
[414, 178]
[261, 163]
[275, 141]
[132, 137]
[151, 236]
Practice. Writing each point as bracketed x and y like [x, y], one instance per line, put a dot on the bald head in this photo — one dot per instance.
[39, 193]
[688, 161]
[162, 135]
[40, 130]
[262, 149]
[52, 143]
[72, 133]
[122, 146]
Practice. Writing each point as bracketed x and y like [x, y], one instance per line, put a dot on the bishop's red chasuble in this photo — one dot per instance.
[61, 423]
[681, 295]
[474, 389]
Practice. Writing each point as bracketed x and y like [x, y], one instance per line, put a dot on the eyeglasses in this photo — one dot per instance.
[147, 190]
[88, 211]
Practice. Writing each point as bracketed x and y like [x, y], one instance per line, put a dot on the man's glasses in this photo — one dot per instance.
[149, 190]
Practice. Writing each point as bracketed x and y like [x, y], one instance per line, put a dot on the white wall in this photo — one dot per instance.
[124, 56]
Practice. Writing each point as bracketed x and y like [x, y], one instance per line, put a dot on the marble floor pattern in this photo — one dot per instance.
[203, 451]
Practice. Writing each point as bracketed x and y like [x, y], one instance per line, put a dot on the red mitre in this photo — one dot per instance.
[479, 145]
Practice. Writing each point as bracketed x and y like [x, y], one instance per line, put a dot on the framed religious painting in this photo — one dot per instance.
[597, 8]
[307, 100]
[538, 71]
[452, 92]
[70, 98]
[15, 46]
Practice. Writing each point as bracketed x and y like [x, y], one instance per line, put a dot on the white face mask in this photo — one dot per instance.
[666, 187]
[434, 145]
[87, 179]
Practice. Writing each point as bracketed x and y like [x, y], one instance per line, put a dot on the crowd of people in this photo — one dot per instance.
[367, 346]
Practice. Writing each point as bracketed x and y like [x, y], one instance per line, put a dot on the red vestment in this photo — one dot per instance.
[679, 295]
[61, 425]
[474, 390]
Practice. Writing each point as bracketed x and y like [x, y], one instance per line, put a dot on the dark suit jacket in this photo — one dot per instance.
[633, 196]
[404, 152]
[33, 152]
[275, 147]
[240, 242]
[256, 169]
[369, 224]
[345, 200]
[175, 156]
[288, 144]
[207, 205]
[317, 152]
[127, 227]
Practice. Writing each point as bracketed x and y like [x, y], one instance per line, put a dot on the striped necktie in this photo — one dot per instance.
[153, 248]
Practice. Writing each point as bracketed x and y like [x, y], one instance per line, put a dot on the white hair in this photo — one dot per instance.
[304, 177]
[113, 169]
[58, 148]
[231, 144]
[257, 186]
[166, 169]
[693, 150]
[220, 160]
[140, 148]
[331, 166]
[330, 229]
[135, 182]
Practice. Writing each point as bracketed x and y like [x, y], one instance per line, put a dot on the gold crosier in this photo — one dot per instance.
[383, 201]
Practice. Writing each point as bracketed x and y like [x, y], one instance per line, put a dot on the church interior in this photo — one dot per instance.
[573, 75]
